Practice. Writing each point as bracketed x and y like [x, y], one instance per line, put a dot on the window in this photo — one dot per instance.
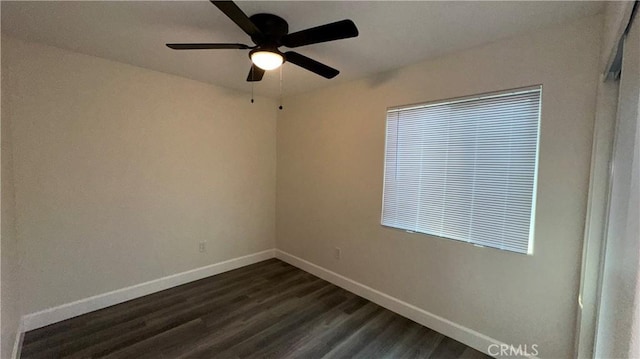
[465, 169]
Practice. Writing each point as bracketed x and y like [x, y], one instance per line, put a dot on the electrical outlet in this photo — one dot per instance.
[202, 247]
[337, 253]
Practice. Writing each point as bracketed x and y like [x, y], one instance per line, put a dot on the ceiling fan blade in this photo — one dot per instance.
[311, 65]
[334, 31]
[234, 13]
[205, 46]
[255, 74]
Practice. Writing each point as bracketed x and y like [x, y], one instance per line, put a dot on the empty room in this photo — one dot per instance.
[320, 179]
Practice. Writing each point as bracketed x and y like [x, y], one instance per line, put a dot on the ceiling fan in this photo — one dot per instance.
[269, 32]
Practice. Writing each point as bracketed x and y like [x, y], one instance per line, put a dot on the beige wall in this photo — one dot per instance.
[330, 172]
[120, 172]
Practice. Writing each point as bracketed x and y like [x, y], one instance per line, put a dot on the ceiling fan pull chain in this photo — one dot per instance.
[252, 84]
[280, 107]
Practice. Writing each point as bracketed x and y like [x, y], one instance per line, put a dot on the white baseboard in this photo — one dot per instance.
[83, 306]
[444, 326]
[17, 344]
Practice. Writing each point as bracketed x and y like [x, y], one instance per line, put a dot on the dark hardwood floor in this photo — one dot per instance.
[267, 310]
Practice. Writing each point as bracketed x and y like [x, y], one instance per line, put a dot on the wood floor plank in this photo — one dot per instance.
[298, 333]
[406, 340]
[386, 339]
[239, 332]
[283, 328]
[266, 310]
[323, 343]
[58, 347]
[424, 345]
[351, 346]
[152, 347]
[449, 349]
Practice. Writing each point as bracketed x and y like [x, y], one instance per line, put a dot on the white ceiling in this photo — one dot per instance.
[392, 34]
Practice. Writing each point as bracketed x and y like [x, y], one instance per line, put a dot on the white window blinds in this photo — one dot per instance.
[465, 169]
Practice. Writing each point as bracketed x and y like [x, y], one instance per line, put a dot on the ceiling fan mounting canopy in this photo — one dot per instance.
[269, 32]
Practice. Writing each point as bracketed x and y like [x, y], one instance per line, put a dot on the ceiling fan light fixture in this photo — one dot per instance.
[266, 59]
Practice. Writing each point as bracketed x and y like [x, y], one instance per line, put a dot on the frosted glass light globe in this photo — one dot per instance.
[267, 60]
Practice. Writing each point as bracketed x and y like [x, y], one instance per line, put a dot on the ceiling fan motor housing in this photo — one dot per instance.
[273, 28]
